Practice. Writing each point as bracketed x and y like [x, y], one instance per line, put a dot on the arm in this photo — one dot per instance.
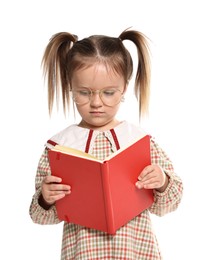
[160, 177]
[40, 211]
[167, 199]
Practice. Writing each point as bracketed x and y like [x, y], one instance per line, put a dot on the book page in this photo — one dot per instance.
[81, 154]
[75, 152]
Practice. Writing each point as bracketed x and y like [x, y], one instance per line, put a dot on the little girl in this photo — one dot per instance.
[95, 72]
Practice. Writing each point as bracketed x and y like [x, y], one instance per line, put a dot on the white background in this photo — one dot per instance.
[179, 111]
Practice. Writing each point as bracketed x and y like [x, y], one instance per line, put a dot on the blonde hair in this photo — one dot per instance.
[65, 54]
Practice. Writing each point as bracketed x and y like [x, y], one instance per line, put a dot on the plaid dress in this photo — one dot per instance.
[135, 240]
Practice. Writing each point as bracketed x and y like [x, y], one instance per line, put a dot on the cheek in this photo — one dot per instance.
[81, 109]
[116, 108]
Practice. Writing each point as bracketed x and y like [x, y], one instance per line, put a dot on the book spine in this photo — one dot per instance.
[107, 198]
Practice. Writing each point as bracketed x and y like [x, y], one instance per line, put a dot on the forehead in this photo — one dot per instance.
[97, 74]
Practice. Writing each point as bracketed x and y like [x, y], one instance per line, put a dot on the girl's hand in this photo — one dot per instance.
[152, 177]
[52, 190]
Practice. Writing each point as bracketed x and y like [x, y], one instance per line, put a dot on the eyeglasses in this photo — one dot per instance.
[109, 96]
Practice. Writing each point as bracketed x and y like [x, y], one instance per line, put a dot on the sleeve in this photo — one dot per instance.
[167, 201]
[38, 214]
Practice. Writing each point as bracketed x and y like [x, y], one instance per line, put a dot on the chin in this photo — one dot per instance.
[95, 124]
[101, 125]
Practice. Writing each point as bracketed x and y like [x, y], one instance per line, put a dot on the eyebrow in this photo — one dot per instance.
[102, 88]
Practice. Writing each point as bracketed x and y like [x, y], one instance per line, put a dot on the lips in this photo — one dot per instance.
[96, 113]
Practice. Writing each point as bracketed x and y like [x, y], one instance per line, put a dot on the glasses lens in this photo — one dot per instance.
[110, 96]
[81, 96]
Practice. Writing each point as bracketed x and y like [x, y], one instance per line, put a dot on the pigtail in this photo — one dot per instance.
[54, 67]
[142, 80]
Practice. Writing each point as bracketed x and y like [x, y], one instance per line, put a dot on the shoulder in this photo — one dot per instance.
[127, 132]
[72, 136]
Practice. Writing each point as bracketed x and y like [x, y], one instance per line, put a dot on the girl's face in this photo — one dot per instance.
[97, 109]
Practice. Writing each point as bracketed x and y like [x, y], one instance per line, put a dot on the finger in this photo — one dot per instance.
[149, 185]
[148, 176]
[139, 185]
[146, 171]
[152, 185]
[56, 192]
[59, 187]
[149, 179]
[53, 199]
[58, 197]
[52, 179]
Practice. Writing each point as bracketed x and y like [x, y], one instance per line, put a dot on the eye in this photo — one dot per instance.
[83, 92]
[109, 92]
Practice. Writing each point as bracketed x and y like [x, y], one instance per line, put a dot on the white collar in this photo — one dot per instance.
[76, 137]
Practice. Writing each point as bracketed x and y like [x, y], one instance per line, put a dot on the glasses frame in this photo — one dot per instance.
[99, 92]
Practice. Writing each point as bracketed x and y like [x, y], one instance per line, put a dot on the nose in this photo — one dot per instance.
[95, 100]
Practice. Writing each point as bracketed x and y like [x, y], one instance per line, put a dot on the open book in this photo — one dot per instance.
[103, 193]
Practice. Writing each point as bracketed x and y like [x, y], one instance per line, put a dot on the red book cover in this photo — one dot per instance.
[103, 193]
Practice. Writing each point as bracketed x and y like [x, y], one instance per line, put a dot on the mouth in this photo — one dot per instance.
[96, 113]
